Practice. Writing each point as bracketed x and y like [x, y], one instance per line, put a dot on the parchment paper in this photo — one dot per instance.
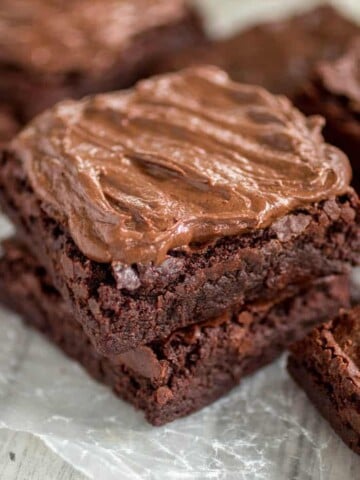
[265, 429]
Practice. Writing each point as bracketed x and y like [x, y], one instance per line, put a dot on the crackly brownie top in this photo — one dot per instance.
[180, 159]
[340, 338]
[57, 36]
[342, 77]
[346, 332]
[278, 55]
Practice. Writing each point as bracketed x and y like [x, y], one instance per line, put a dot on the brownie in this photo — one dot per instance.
[278, 55]
[326, 365]
[174, 201]
[51, 50]
[193, 366]
[334, 92]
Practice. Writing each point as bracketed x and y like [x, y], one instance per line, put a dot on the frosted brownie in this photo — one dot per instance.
[326, 365]
[51, 50]
[278, 55]
[177, 200]
[334, 92]
[191, 368]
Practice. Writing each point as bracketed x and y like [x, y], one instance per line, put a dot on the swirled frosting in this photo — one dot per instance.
[181, 158]
[57, 36]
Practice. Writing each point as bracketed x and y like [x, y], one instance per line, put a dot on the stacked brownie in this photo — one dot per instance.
[177, 236]
[51, 50]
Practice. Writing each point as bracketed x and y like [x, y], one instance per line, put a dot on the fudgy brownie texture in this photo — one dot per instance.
[326, 365]
[333, 91]
[279, 55]
[52, 50]
[193, 366]
[168, 204]
[307, 244]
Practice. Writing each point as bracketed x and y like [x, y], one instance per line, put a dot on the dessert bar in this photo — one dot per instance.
[334, 92]
[326, 365]
[177, 200]
[278, 55]
[51, 50]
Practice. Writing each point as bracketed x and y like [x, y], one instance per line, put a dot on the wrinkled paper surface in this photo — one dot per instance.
[264, 429]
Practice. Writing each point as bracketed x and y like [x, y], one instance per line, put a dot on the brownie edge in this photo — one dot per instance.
[326, 365]
[333, 91]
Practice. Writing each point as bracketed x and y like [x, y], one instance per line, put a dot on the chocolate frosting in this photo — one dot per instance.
[182, 158]
[342, 77]
[57, 36]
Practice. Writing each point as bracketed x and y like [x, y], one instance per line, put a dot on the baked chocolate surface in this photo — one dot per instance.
[193, 366]
[51, 50]
[303, 225]
[326, 365]
[334, 92]
[279, 55]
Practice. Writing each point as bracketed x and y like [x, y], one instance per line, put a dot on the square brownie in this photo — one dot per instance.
[191, 368]
[334, 92]
[51, 50]
[326, 365]
[170, 203]
[278, 55]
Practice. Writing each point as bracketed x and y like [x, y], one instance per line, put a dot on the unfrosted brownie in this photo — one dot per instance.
[334, 92]
[177, 200]
[9, 125]
[192, 367]
[51, 50]
[278, 55]
[326, 365]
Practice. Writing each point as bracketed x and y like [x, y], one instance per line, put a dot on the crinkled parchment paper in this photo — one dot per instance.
[264, 429]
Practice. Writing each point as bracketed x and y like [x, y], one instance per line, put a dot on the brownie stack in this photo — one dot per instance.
[177, 236]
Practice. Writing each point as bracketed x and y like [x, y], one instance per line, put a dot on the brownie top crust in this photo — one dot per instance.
[335, 346]
[55, 36]
[342, 76]
[346, 332]
[179, 160]
[278, 55]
